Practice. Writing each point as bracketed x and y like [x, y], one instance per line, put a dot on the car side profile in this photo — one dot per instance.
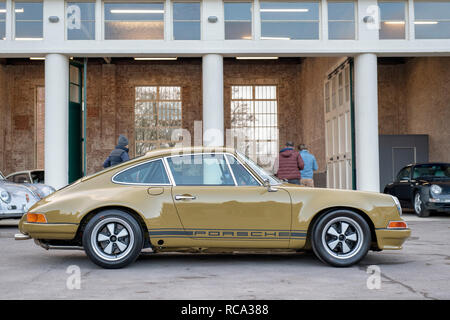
[203, 199]
[424, 187]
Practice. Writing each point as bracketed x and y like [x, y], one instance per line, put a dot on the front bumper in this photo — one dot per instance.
[11, 215]
[392, 239]
[50, 231]
[442, 205]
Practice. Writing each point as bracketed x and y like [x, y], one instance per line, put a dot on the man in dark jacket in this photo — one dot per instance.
[289, 164]
[119, 154]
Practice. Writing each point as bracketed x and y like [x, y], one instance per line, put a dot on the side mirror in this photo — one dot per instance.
[269, 187]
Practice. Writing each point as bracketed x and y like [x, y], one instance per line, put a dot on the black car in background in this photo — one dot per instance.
[425, 187]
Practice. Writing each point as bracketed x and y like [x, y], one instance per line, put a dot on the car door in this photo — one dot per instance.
[221, 207]
[146, 187]
[402, 186]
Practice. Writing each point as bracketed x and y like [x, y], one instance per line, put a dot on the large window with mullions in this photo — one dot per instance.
[254, 119]
[157, 114]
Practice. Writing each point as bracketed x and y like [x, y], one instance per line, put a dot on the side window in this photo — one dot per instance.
[404, 174]
[242, 176]
[200, 170]
[21, 178]
[37, 176]
[152, 172]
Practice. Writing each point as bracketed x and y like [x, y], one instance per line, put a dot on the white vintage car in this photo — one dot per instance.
[16, 199]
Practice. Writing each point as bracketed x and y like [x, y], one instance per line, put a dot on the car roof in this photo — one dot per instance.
[24, 171]
[430, 163]
[187, 150]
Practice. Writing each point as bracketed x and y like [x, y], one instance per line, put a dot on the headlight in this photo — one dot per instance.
[5, 196]
[397, 203]
[436, 189]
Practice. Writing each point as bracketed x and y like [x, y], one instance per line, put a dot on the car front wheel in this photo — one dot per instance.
[419, 206]
[341, 238]
[112, 239]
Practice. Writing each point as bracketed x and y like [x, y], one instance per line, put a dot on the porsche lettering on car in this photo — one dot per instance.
[209, 199]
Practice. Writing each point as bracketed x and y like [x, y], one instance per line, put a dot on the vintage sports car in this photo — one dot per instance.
[207, 200]
[16, 199]
[425, 187]
[28, 176]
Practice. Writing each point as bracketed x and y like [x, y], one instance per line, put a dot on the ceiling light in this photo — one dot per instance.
[275, 38]
[19, 10]
[29, 38]
[426, 22]
[256, 58]
[37, 58]
[2, 10]
[161, 58]
[136, 11]
[284, 10]
[395, 22]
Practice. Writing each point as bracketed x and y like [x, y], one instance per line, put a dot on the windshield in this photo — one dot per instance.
[432, 171]
[259, 171]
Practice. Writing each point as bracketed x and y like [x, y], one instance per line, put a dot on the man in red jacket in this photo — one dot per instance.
[289, 164]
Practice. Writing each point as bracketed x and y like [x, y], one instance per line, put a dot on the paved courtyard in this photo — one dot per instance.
[420, 271]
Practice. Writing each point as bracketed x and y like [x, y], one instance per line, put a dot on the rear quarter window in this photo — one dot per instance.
[152, 172]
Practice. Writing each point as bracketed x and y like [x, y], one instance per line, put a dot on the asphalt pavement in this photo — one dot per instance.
[420, 271]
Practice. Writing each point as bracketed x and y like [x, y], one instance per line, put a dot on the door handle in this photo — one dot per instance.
[184, 197]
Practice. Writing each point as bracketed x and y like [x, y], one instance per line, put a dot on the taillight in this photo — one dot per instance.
[36, 218]
[397, 225]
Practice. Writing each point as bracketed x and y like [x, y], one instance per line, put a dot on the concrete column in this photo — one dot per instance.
[213, 100]
[366, 123]
[56, 120]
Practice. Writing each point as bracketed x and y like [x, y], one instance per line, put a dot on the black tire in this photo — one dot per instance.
[113, 239]
[419, 208]
[356, 238]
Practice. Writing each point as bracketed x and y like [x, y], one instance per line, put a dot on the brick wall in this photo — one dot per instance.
[427, 103]
[413, 99]
[20, 79]
[3, 115]
[111, 95]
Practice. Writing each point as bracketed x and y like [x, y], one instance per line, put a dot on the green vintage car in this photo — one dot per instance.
[200, 199]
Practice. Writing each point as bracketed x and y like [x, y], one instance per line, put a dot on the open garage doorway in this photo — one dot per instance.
[339, 127]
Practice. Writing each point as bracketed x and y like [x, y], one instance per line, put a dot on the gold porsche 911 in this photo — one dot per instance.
[209, 199]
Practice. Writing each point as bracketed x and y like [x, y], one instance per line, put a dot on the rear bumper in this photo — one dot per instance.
[392, 239]
[54, 231]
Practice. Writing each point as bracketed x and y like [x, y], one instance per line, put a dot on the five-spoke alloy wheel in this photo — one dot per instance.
[341, 238]
[112, 239]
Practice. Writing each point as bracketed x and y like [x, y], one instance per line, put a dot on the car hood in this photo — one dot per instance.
[18, 189]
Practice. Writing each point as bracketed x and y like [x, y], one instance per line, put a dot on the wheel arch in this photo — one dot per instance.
[321, 213]
[87, 217]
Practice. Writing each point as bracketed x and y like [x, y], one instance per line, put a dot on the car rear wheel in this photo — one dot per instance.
[112, 239]
[419, 206]
[341, 238]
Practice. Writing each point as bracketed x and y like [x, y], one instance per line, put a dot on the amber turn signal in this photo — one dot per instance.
[397, 225]
[36, 217]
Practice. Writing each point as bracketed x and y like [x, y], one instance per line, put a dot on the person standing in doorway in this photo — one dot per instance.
[289, 164]
[310, 162]
[119, 154]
